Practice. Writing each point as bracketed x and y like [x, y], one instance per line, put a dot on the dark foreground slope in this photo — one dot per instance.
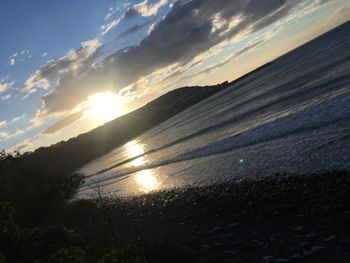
[275, 219]
[67, 156]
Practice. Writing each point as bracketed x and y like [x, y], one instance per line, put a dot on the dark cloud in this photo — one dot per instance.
[131, 13]
[131, 30]
[188, 30]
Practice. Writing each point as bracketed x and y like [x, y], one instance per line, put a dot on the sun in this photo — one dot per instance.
[104, 107]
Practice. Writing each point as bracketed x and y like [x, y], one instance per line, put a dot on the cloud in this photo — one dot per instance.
[44, 84]
[12, 61]
[6, 97]
[120, 7]
[23, 146]
[5, 123]
[108, 27]
[4, 136]
[224, 62]
[148, 9]
[37, 120]
[189, 30]
[64, 122]
[4, 87]
[111, 12]
[63, 69]
[43, 54]
[131, 13]
[18, 118]
[151, 28]
[131, 30]
[19, 56]
[143, 8]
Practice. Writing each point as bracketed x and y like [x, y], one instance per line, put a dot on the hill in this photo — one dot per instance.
[70, 155]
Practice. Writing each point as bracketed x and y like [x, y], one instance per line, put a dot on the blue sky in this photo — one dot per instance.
[65, 65]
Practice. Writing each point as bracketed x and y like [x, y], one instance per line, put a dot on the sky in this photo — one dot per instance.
[67, 67]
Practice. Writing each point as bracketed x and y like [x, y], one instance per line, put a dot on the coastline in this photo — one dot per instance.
[298, 218]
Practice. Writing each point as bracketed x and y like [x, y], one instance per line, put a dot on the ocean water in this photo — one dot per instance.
[292, 116]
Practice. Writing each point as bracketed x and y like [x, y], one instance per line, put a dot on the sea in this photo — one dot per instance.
[291, 117]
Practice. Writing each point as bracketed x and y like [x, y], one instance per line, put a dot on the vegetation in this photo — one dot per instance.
[294, 218]
[33, 207]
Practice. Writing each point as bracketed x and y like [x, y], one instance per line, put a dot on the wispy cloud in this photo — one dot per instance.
[12, 61]
[6, 97]
[108, 27]
[5, 86]
[5, 123]
[149, 9]
[19, 56]
[120, 7]
[4, 136]
[18, 118]
[23, 146]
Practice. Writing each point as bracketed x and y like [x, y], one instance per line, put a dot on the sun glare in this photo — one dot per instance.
[104, 107]
[147, 180]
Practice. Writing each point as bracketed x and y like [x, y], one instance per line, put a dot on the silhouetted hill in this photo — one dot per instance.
[67, 156]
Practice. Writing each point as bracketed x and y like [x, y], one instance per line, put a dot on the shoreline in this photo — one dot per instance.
[303, 218]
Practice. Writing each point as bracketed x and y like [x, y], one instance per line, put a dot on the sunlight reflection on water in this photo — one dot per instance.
[145, 179]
